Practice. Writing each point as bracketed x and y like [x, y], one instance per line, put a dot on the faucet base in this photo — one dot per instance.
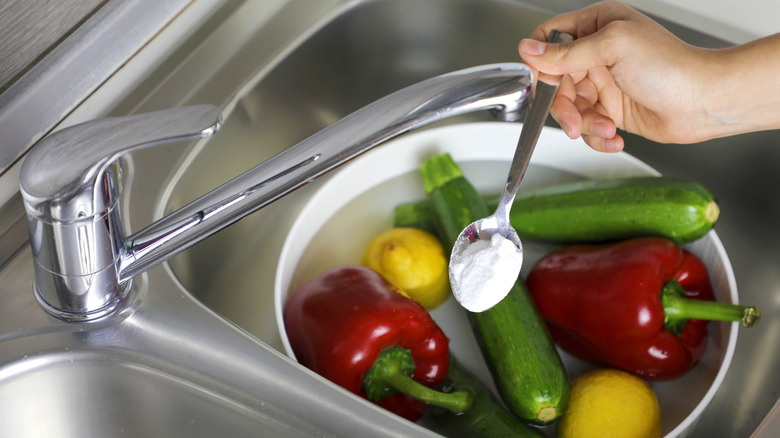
[92, 315]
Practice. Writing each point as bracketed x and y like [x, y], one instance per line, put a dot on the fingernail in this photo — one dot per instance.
[567, 130]
[613, 144]
[532, 47]
[601, 129]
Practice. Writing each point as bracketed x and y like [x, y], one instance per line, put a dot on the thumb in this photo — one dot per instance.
[558, 59]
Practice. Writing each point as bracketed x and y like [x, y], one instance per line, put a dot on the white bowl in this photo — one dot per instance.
[357, 203]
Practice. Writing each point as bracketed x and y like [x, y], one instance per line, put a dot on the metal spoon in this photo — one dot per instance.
[479, 291]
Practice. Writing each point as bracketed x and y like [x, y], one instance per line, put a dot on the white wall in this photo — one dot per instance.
[736, 21]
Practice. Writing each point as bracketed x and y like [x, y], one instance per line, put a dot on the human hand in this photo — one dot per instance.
[624, 71]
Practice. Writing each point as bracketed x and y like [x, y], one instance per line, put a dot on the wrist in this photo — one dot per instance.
[739, 90]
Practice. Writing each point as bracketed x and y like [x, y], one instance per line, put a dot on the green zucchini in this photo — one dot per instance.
[486, 418]
[600, 210]
[515, 343]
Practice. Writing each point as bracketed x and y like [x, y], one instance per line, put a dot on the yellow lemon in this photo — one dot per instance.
[412, 260]
[610, 403]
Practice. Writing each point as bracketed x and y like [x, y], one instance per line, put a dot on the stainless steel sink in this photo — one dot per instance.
[164, 366]
[197, 351]
[140, 400]
[370, 50]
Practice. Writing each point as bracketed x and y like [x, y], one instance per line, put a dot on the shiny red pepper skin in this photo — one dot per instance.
[602, 303]
[340, 322]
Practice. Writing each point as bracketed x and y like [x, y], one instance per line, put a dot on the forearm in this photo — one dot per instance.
[742, 89]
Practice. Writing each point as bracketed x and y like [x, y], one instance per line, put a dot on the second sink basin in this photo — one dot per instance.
[127, 396]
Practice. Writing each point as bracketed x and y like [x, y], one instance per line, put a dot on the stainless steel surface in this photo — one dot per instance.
[71, 183]
[163, 366]
[498, 222]
[75, 68]
[29, 29]
[770, 425]
[409, 40]
[312, 64]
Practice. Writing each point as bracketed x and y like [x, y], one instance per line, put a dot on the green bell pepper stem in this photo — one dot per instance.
[391, 373]
[678, 309]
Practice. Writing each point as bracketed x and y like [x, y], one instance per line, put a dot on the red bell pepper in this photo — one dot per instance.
[353, 328]
[640, 305]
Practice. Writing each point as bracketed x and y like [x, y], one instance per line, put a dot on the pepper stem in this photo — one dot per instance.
[678, 309]
[391, 373]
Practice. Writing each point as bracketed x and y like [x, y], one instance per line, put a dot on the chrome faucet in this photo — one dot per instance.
[71, 180]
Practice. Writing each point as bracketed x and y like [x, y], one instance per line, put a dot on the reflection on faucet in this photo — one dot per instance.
[84, 262]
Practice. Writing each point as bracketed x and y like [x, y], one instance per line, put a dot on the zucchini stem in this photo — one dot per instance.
[712, 212]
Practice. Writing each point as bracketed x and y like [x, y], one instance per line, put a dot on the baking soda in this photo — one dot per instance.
[484, 272]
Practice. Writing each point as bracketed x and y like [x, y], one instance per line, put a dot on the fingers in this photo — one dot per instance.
[591, 47]
[585, 21]
[588, 97]
[594, 123]
[557, 59]
[578, 111]
[564, 111]
[583, 116]
[611, 145]
[598, 130]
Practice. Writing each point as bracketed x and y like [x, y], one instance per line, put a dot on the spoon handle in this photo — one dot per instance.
[532, 127]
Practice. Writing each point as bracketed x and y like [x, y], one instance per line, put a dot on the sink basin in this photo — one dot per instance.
[371, 49]
[196, 352]
[165, 366]
[139, 400]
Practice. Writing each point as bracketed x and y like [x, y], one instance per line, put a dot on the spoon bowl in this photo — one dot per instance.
[487, 255]
[492, 265]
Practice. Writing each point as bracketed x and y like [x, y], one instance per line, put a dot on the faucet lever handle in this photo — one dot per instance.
[89, 148]
[70, 185]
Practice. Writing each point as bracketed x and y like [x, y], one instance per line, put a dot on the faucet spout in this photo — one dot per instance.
[84, 262]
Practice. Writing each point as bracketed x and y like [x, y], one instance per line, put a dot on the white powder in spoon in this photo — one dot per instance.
[484, 272]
